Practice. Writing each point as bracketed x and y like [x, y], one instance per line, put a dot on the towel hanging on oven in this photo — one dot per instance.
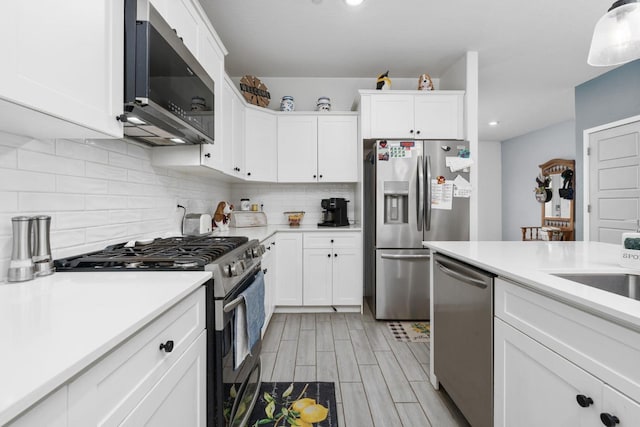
[249, 320]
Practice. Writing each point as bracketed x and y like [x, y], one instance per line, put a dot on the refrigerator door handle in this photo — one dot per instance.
[427, 225]
[385, 256]
[420, 193]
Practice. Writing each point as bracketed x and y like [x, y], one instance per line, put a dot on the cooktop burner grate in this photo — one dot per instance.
[175, 253]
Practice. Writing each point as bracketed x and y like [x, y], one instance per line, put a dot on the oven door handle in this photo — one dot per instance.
[233, 304]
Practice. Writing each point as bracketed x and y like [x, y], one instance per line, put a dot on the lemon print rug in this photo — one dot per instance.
[410, 331]
[303, 404]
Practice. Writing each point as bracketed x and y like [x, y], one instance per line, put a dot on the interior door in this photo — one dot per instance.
[614, 182]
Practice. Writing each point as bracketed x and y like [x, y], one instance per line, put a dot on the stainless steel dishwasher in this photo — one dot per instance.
[463, 337]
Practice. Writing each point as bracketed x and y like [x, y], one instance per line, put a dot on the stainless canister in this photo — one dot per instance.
[21, 266]
[42, 260]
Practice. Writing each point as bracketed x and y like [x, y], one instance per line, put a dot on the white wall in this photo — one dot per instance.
[489, 190]
[97, 192]
[279, 198]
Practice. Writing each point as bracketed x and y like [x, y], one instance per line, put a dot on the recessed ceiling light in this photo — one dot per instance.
[177, 140]
[494, 123]
[353, 2]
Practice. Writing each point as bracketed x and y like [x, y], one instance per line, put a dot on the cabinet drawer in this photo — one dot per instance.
[331, 240]
[111, 388]
[607, 350]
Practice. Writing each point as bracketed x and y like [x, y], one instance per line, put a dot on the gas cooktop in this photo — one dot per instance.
[170, 254]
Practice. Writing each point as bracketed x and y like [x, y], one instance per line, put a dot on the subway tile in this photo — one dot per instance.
[111, 173]
[135, 150]
[68, 220]
[108, 232]
[27, 143]
[18, 180]
[5, 244]
[50, 202]
[124, 161]
[81, 150]
[66, 238]
[142, 177]
[29, 160]
[109, 144]
[8, 157]
[8, 201]
[105, 202]
[125, 216]
[134, 202]
[74, 184]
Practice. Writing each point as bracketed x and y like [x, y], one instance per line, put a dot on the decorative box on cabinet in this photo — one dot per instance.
[49, 90]
[413, 114]
[289, 268]
[317, 148]
[557, 362]
[332, 269]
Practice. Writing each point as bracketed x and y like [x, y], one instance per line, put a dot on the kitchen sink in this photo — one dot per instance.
[627, 285]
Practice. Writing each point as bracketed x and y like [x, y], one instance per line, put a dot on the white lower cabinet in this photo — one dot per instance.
[289, 267]
[270, 279]
[179, 398]
[332, 269]
[548, 370]
[51, 412]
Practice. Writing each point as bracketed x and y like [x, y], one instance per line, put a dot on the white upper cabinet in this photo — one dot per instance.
[317, 148]
[62, 68]
[413, 114]
[261, 157]
[184, 20]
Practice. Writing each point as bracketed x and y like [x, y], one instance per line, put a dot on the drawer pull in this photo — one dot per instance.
[609, 420]
[167, 347]
[584, 401]
[265, 271]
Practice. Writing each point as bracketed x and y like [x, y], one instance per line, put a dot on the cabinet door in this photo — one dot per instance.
[179, 398]
[439, 116]
[617, 404]
[317, 269]
[183, 18]
[260, 146]
[347, 277]
[269, 270]
[289, 268]
[533, 386]
[64, 59]
[337, 149]
[238, 135]
[297, 149]
[212, 61]
[392, 116]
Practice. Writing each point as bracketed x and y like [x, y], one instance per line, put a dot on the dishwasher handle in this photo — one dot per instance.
[452, 272]
[385, 256]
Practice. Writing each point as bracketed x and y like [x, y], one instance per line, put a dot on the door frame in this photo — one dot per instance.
[586, 168]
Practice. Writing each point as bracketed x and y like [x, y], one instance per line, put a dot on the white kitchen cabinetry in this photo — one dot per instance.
[232, 139]
[261, 158]
[289, 268]
[413, 114]
[162, 365]
[270, 278]
[556, 364]
[317, 148]
[47, 88]
[332, 269]
[50, 412]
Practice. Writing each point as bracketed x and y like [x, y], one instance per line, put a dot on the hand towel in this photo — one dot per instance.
[249, 319]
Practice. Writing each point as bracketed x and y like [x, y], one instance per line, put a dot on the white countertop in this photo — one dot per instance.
[262, 233]
[53, 327]
[531, 263]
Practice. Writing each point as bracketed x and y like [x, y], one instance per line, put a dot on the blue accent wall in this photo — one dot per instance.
[610, 97]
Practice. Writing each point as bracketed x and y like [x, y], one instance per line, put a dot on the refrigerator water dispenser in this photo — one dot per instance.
[396, 202]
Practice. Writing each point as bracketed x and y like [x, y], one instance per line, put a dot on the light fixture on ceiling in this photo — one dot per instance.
[354, 2]
[493, 123]
[616, 38]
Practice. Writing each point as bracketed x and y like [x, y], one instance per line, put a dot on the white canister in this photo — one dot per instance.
[324, 103]
[245, 204]
[287, 103]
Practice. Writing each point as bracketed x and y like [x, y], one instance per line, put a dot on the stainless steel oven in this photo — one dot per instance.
[235, 391]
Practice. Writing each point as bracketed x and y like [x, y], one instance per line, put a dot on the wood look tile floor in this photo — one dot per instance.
[379, 382]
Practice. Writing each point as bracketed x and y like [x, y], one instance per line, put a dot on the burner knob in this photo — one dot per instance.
[236, 268]
[258, 251]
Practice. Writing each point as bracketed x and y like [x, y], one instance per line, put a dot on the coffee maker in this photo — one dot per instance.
[335, 212]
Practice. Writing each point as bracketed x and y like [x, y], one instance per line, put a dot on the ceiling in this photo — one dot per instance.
[531, 53]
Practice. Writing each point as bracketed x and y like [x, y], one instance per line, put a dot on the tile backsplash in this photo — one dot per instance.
[278, 198]
[97, 192]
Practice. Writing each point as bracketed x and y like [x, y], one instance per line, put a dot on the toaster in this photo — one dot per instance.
[197, 223]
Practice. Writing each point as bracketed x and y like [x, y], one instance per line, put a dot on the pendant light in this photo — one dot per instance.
[616, 38]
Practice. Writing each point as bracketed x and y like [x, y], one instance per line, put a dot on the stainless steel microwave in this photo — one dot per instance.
[168, 96]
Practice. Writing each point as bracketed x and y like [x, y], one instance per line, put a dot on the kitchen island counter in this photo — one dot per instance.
[533, 264]
[56, 326]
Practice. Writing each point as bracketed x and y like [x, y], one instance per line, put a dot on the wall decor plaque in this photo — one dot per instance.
[254, 91]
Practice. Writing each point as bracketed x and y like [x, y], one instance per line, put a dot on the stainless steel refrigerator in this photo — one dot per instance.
[410, 197]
